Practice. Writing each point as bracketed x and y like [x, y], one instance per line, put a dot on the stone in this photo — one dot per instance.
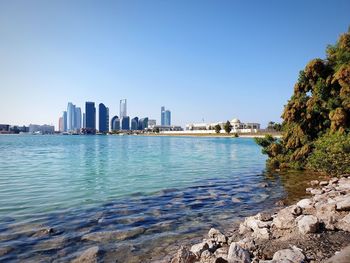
[305, 203]
[107, 236]
[262, 233]
[197, 249]
[184, 255]
[264, 216]
[344, 223]
[327, 215]
[221, 253]
[247, 244]
[316, 191]
[323, 183]
[243, 229]
[314, 182]
[284, 219]
[293, 255]
[89, 255]
[235, 200]
[5, 250]
[334, 180]
[296, 210]
[237, 254]
[308, 224]
[217, 236]
[342, 257]
[344, 204]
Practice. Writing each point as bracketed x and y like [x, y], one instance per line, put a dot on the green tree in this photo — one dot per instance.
[318, 108]
[227, 127]
[217, 128]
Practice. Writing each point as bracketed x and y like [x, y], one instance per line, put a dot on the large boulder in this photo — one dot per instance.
[184, 255]
[236, 254]
[342, 257]
[198, 249]
[344, 203]
[344, 223]
[292, 255]
[285, 219]
[308, 224]
[326, 213]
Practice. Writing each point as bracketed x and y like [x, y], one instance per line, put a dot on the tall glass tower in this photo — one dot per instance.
[167, 118]
[77, 118]
[103, 118]
[123, 112]
[162, 115]
[70, 117]
[90, 117]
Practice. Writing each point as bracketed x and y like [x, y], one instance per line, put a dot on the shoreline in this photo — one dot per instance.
[314, 229]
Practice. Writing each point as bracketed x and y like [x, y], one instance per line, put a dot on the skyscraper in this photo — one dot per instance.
[125, 121]
[71, 117]
[162, 115]
[115, 123]
[84, 120]
[77, 119]
[64, 121]
[143, 124]
[135, 123]
[60, 124]
[90, 117]
[122, 108]
[103, 118]
[167, 118]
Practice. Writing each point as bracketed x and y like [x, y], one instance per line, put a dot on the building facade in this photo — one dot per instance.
[70, 117]
[90, 117]
[125, 123]
[77, 118]
[143, 124]
[41, 129]
[64, 121]
[115, 123]
[103, 118]
[123, 108]
[237, 126]
[135, 123]
[165, 116]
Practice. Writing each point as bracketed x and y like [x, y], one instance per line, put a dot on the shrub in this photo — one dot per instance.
[331, 154]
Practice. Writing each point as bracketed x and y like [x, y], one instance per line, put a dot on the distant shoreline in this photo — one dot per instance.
[259, 135]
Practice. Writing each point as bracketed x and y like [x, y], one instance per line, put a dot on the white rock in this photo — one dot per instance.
[197, 249]
[305, 203]
[323, 183]
[221, 253]
[217, 235]
[293, 254]
[262, 233]
[344, 223]
[284, 219]
[344, 205]
[237, 254]
[308, 224]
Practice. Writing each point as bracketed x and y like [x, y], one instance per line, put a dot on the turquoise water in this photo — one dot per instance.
[171, 187]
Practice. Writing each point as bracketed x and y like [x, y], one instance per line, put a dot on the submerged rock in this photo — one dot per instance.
[106, 236]
[89, 255]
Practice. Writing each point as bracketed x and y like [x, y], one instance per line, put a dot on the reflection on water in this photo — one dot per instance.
[151, 192]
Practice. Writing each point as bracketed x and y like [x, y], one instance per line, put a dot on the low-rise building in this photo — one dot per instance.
[237, 126]
[41, 129]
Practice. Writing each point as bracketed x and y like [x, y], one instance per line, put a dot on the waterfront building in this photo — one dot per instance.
[71, 117]
[135, 123]
[41, 129]
[125, 123]
[167, 118]
[237, 126]
[115, 123]
[90, 117]
[167, 128]
[60, 124]
[4, 128]
[77, 119]
[143, 124]
[151, 123]
[64, 121]
[103, 118]
[162, 115]
[122, 108]
[84, 120]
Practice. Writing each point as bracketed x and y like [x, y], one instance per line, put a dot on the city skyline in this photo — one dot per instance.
[228, 60]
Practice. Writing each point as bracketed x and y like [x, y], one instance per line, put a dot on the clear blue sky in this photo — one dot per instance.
[211, 60]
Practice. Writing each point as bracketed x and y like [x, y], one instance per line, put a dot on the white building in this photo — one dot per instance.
[237, 126]
[41, 129]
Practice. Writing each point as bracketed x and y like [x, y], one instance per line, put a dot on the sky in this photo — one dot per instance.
[203, 60]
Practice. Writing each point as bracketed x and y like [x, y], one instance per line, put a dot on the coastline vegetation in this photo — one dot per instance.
[316, 119]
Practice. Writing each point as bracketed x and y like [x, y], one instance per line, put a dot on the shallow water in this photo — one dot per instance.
[155, 191]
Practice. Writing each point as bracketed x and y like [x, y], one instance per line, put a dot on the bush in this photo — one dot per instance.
[331, 154]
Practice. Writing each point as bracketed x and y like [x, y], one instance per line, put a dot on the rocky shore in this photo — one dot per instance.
[316, 229]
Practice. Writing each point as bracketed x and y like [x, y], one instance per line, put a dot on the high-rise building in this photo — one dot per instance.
[84, 120]
[125, 121]
[64, 121]
[103, 118]
[71, 117]
[77, 118]
[143, 124]
[90, 117]
[115, 123]
[122, 108]
[152, 123]
[135, 123]
[162, 115]
[60, 124]
[167, 118]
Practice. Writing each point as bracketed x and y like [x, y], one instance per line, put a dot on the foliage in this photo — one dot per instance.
[217, 128]
[235, 135]
[227, 127]
[274, 126]
[331, 154]
[318, 108]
